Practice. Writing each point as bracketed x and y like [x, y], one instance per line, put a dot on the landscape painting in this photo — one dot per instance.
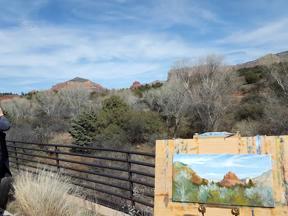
[223, 179]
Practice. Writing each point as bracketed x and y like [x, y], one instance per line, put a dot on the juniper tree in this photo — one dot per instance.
[84, 128]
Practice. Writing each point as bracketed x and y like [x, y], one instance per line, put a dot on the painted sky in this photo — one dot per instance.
[215, 166]
[115, 42]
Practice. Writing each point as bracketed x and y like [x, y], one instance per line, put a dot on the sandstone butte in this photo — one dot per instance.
[230, 180]
[135, 85]
[78, 83]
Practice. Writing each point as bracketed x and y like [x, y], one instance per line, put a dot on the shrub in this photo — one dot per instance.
[251, 108]
[144, 88]
[247, 127]
[44, 194]
[112, 136]
[113, 111]
[139, 126]
[254, 74]
[116, 124]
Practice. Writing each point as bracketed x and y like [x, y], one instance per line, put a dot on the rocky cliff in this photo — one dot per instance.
[230, 180]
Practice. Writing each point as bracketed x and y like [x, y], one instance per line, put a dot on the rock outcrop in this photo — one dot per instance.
[230, 180]
[135, 85]
[78, 83]
[193, 177]
[265, 60]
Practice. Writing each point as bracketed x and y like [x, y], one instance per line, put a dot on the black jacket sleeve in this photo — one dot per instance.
[4, 124]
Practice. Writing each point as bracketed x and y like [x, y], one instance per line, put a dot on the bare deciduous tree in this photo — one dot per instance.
[171, 102]
[18, 108]
[276, 116]
[48, 102]
[210, 85]
[279, 73]
[74, 101]
[128, 96]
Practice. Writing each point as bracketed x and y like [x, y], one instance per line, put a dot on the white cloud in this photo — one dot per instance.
[48, 46]
[187, 12]
[30, 47]
[273, 33]
[160, 13]
[19, 11]
[197, 159]
[81, 46]
[50, 52]
[222, 160]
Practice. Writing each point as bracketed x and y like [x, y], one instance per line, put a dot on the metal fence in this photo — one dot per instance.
[119, 179]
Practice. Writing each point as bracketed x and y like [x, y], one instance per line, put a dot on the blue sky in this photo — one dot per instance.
[114, 42]
[215, 166]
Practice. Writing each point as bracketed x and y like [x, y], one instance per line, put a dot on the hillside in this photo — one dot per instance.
[8, 97]
[180, 168]
[264, 180]
[253, 106]
[265, 60]
[78, 82]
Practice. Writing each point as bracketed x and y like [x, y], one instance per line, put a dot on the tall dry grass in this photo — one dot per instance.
[45, 194]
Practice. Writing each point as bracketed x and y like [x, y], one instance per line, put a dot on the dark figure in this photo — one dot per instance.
[5, 174]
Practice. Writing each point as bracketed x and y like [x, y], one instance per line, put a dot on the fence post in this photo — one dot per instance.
[16, 155]
[128, 156]
[57, 158]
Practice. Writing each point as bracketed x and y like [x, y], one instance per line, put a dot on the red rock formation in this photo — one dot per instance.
[135, 85]
[78, 83]
[194, 178]
[8, 97]
[230, 180]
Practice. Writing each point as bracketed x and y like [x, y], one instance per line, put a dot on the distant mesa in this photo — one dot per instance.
[265, 60]
[135, 85]
[4, 97]
[79, 79]
[79, 82]
[230, 180]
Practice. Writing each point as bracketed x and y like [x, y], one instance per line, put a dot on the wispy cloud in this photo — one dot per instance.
[184, 12]
[160, 13]
[103, 54]
[196, 159]
[273, 32]
[34, 46]
[127, 39]
[215, 166]
[48, 46]
[16, 12]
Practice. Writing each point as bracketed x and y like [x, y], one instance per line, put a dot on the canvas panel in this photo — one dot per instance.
[223, 179]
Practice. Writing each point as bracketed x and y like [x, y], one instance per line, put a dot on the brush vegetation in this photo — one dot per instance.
[45, 194]
[199, 97]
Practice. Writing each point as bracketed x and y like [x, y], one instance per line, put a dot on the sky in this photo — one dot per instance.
[215, 166]
[115, 42]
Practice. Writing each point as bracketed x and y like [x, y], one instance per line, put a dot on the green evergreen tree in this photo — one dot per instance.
[114, 111]
[84, 128]
[116, 124]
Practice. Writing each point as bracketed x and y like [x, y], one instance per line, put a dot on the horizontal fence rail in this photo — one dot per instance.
[119, 179]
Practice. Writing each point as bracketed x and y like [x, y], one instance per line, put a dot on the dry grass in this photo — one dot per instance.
[44, 194]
